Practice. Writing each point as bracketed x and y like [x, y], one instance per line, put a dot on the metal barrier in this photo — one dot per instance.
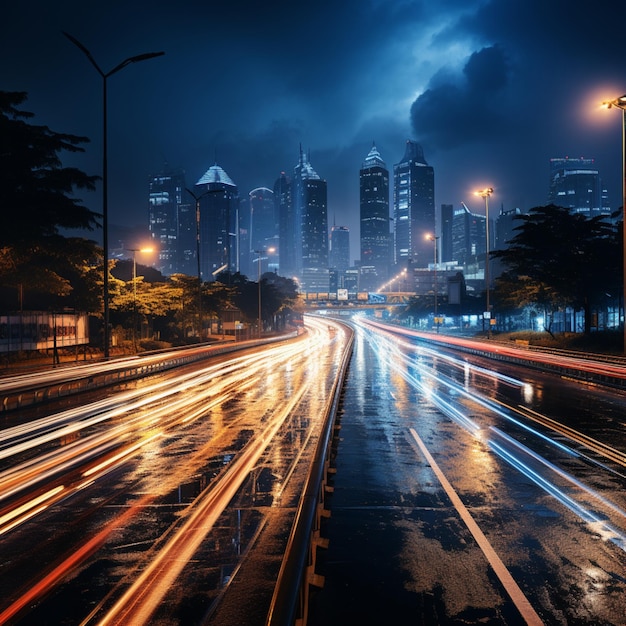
[30, 394]
[297, 573]
[600, 369]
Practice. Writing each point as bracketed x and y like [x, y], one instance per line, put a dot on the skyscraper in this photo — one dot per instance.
[506, 224]
[447, 216]
[310, 201]
[219, 228]
[171, 222]
[263, 220]
[576, 185]
[339, 248]
[469, 240]
[413, 207]
[246, 265]
[288, 229]
[374, 216]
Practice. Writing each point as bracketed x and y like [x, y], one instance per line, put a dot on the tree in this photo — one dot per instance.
[37, 205]
[285, 302]
[563, 258]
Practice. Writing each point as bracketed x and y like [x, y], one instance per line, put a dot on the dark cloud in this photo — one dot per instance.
[487, 71]
[464, 111]
[491, 88]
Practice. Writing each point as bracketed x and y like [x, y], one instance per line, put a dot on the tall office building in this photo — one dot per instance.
[469, 240]
[246, 267]
[447, 217]
[310, 201]
[339, 252]
[575, 184]
[171, 223]
[506, 223]
[219, 223]
[263, 220]
[413, 207]
[263, 231]
[374, 217]
[288, 229]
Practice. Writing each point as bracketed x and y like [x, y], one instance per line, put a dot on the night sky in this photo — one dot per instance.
[492, 90]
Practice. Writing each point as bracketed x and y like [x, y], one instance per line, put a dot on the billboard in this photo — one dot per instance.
[40, 330]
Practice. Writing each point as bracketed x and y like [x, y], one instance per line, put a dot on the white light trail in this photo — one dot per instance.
[427, 380]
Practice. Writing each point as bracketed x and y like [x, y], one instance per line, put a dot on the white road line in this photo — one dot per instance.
[511, 587]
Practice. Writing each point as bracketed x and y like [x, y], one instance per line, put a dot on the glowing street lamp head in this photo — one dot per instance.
[619, 103]
[146, 250]
[484, 193]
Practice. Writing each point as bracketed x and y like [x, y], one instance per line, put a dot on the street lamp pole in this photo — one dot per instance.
[486, 193]
[105, 212]
[259, 252]
[620, 103]
[134, 251]
[259, 259]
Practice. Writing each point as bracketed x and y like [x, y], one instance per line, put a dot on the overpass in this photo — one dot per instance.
[359, 300]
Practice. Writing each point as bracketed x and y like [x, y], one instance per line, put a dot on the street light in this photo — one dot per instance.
[485, 193]
[134, 251]
[391, 281]
[620, 103]
[105, 212]
[259, 253]
[434, 238]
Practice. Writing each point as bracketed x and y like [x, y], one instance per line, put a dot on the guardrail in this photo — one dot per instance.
[28, 394]
[614, 359]
[290, 600]
[609, 371]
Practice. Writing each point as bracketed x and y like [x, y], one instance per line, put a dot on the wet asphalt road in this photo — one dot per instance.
[177, 476]
[401, 552]
[418, 431]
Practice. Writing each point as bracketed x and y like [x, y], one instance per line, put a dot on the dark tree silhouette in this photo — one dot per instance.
[37, 205]
[563, 258]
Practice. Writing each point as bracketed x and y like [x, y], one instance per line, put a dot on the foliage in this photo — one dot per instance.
[559, 258]
[172, 304]
[36, 206]
[604, 342]
[279, 296]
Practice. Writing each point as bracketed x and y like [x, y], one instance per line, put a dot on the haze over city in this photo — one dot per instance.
[491, 90]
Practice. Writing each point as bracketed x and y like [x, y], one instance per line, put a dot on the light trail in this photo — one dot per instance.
[526, 610]
[27, 437]
[147, 591]
[24, 512]
[591, 516]
[110, 433]
[122, 404]
[572, 494]
[617, 370]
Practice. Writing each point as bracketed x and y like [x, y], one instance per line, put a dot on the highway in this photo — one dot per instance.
[472, 490]
[139, 505]
[464, 488]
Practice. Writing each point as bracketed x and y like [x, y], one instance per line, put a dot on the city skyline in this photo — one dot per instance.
[469, 83]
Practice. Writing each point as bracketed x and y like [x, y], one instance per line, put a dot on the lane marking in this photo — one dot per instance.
[512, 588]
